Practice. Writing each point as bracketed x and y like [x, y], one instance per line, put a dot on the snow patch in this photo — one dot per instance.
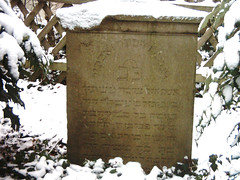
[227, 93]
[231, 52]
[231, 17]
[238, 82]
[216, 105]
[219, 62]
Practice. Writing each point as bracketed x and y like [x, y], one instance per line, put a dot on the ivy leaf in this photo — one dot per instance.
[113, 171]
[237, 24]
[214, 166]
[65, 164]
[213, 158]
[209, 18]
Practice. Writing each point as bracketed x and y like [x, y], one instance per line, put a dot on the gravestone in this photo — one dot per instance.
[130, 90]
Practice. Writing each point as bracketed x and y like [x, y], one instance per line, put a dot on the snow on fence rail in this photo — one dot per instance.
[50, 42]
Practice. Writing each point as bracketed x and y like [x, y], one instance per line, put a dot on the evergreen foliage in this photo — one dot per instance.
[17, 44]
[223, 84]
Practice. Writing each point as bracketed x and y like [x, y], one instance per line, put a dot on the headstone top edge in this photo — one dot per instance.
[145, 18]
[143, 24]
[90, 15]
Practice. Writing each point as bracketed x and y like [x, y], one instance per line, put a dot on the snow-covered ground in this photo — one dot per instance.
[45, 109]
[45, 117]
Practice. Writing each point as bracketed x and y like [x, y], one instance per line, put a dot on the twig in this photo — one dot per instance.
[54, 146]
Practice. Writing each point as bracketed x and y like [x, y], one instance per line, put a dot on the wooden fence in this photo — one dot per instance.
[49, 41]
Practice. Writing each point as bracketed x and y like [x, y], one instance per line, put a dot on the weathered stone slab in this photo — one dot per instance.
[130, 91]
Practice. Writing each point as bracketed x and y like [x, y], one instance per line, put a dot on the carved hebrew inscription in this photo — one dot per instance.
[129, 97]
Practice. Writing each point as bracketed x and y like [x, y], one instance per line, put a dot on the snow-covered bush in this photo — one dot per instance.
[223, 85]
[221, 91]
[17, 44]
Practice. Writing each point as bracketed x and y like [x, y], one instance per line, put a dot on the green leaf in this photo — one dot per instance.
[32, 156]
[221, 14]
[30, 169]
[209, 19]
[13, 91]
[207, 83]
[235, 72]
[213, 158]
[19, 157]
[237, 24]
[45, 142]
[113, 171]
[25, 38]
[214, 166]
[216, 17]
[65, 164]
[220, 162]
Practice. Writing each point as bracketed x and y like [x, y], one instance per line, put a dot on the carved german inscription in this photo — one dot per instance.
[130, 95]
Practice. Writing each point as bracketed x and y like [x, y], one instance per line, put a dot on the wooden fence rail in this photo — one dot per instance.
[48, 40]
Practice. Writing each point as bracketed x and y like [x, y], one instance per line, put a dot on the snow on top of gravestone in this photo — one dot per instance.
[91, 14]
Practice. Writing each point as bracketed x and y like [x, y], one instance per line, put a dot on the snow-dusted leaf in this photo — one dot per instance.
[231, 52]
[10, 49]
